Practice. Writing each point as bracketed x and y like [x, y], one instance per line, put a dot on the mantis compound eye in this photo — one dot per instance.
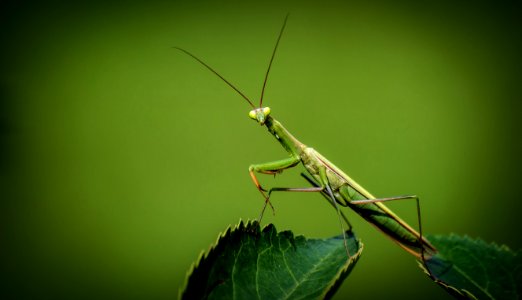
[259, 114]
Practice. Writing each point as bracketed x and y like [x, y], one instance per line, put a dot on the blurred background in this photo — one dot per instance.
[121, 159]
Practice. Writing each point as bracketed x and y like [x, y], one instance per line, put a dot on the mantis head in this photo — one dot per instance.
[260, 114]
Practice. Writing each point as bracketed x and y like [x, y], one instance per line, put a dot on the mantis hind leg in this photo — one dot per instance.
[423, 244]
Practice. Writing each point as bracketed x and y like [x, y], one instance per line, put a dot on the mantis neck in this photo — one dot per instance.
[287, 140]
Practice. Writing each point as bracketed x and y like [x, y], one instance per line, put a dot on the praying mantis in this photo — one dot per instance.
[326, 178]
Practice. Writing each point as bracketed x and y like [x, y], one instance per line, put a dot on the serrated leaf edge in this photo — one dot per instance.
[203, 255]
[350, 263]
[251, 223]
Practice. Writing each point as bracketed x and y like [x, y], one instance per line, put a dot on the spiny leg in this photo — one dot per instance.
[270, 168]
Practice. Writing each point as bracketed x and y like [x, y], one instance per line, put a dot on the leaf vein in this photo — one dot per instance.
[312, 270]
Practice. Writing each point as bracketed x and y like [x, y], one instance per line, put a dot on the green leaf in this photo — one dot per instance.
[250, 263]
[474, 269]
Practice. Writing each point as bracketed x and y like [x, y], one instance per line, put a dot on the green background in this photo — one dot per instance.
[121, 159]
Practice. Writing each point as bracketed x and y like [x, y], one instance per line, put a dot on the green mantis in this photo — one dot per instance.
[326, 178]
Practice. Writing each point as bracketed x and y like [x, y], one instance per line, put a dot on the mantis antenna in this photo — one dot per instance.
[228, 82]
[215, 72]
[271, 60]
